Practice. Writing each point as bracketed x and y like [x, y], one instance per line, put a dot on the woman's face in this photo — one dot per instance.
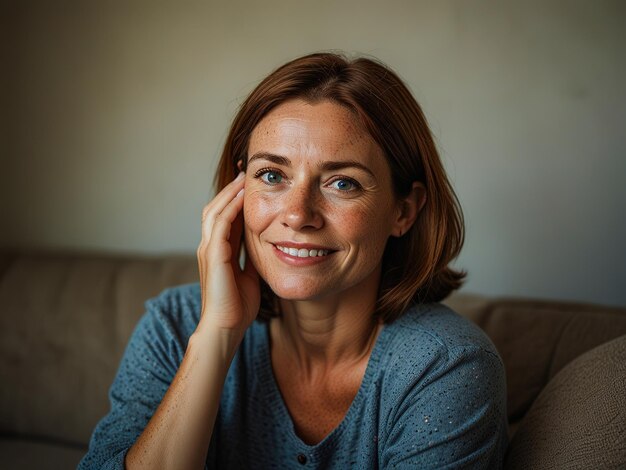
[318, 202]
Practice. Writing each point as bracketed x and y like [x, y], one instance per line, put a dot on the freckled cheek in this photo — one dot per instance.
[259, 210]
[363, 227]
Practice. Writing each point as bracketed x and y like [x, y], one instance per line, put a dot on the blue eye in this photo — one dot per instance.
[344, 184]
[271, 177]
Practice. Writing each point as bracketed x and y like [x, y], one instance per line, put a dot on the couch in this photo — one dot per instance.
[65, 319]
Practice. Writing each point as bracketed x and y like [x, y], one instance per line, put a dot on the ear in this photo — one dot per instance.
[409, 208]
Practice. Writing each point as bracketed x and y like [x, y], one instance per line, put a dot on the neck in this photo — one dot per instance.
[319, 335]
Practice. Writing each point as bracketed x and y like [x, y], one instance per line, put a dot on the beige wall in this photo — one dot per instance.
[116, 112]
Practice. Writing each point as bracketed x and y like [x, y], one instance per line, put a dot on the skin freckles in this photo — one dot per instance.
[304, 203]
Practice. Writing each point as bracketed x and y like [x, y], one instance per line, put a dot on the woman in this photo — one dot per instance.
[328, 349]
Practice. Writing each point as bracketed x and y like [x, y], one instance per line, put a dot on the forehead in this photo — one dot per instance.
[326, 128]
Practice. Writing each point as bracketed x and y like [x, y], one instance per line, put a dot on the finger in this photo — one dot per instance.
[223, 197]
[236, 231]
[217, 205]
[220, 248]
[208, 214]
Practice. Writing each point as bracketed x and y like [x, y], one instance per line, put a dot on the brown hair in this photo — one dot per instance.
[415, 266]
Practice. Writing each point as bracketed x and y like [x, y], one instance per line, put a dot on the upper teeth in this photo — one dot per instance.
[302, 252]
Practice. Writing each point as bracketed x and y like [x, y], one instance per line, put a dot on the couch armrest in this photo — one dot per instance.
[579, 419]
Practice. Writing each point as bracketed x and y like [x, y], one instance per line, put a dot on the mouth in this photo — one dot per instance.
[304, 252]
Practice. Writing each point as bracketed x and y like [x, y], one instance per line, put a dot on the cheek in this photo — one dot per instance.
[372, 215]
[258, 211]
[367, 226]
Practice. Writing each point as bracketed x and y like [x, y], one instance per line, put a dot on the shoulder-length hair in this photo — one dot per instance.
[415, 266]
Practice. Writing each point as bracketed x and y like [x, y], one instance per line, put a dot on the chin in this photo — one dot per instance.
[295, 289]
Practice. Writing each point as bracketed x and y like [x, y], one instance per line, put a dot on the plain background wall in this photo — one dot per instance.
[113, 115]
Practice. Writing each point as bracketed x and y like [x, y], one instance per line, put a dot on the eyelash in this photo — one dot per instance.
[262, 171]
[357, 186]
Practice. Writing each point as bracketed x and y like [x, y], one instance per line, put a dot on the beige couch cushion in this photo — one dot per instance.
[579, 419]
[64, 324]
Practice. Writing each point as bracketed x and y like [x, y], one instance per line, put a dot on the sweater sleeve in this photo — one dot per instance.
[147, 368]
[455, 418]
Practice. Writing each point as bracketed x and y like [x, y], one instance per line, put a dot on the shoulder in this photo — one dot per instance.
[182, 301]
[430, 347]
[173, 314]
[440, 329]
[444, 392]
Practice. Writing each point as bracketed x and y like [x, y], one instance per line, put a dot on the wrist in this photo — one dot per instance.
[213, 339]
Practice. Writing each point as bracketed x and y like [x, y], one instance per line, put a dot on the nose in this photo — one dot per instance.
[301, 208]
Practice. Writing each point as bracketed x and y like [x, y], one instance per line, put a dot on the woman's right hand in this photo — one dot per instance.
[230, 302]
[230, 296]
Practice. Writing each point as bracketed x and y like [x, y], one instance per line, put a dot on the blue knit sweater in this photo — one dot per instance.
[433, 396]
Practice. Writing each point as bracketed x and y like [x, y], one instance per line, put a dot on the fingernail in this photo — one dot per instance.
[240, 193]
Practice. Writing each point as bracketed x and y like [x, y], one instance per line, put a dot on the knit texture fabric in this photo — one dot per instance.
[433, 396]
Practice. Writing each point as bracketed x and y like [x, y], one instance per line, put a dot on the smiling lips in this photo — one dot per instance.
[302, 252]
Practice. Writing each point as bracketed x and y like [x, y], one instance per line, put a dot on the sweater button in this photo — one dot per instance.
[301, 459]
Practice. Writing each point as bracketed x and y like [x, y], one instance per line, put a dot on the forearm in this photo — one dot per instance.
[179, 432]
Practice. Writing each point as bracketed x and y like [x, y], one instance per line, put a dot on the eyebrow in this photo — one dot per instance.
[325, 165]
[277, 159]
